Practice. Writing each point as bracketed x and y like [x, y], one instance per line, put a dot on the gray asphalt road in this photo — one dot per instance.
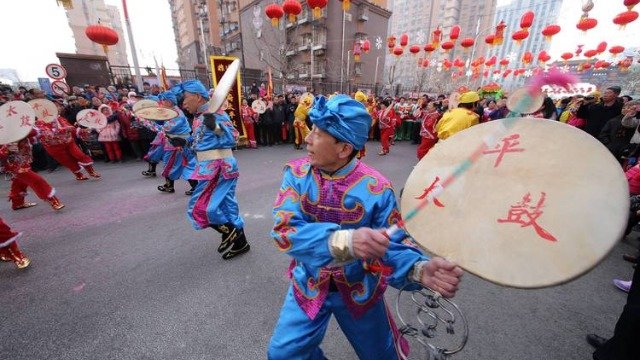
[120, 274]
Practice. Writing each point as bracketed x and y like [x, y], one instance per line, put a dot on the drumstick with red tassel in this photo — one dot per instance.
[552, 77]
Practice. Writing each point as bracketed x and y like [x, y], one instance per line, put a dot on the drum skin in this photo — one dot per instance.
[541, 207]
[45, 109]
[16, 121]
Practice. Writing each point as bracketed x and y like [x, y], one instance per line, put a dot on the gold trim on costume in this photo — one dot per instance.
[215, 154]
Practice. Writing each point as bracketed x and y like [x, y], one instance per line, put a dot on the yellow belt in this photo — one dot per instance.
[215, 154]
[181, 136]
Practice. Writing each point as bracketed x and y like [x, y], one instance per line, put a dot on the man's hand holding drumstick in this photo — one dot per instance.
[437, 274]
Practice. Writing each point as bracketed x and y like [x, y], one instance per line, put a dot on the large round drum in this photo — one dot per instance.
[541, 207]
[16, 121]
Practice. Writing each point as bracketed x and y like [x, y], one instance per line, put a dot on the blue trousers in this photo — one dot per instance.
[214, 203]
[296, 337]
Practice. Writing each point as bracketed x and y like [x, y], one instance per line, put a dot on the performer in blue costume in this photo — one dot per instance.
[176, 154]
[213, 203]
[328, 215]
[156, 151]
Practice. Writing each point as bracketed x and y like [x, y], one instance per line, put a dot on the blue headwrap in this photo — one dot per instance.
[343, 117]
[192, 86]
[168, 96]
[152, 97]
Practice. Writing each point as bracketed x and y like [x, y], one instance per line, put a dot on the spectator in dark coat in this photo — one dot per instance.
[596, 114]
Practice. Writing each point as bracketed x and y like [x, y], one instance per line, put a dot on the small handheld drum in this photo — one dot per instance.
[92, 119]
[157, 113]
[259, 106]
[522, 101]
[16, 121]
[45, 109]
[531, 212]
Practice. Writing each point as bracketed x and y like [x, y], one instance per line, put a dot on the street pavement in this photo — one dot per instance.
[120, 274]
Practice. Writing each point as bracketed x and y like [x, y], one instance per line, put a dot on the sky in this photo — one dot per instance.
[30, 51]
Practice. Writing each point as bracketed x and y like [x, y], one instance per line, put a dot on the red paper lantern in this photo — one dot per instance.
[499, 35]
[391, 43]
[447, 45]
[527, 58]
[491, 61]
[543, 57]
[467, 43]
[404, 40]
[454, 34]
[458, 63]
[631, 3]
[366, 46]
[585, 66]
[274, 12]
[102, 35]
[317, 6]
[398, 51]
[292, 8]
[506, 73]
[520, 35]
[550, 31]
[586, 24]
[527, 20]
[447, 64]
[489, 39]
[590, 53]
[429, 48]
[602, 47]
[414, 49]
[566, 56]
[436, 37]
[615, 50]
[625, 18]
[425, 63]
[504, 62]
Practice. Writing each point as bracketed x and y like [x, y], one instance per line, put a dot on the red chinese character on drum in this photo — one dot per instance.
[11, 111]
[508, 145]
[25, 121]
[526, 215]
[435, 185]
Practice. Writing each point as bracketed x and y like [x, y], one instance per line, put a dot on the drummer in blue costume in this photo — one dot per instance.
[328, 215]
[156, 151]
[176, 155]
[213, 203]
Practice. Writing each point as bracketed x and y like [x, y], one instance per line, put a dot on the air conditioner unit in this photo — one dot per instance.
[363, 14]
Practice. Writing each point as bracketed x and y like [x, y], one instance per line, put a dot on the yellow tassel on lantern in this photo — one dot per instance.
[292, 18]
[275, 22]
[317, 12]
[356, 58]
[106, 49]
[346, 5]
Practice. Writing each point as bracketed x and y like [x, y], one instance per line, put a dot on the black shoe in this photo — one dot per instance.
[595, 340]
[236, 252]
[165, 188]
[229, 235]
[630, 258]
[189, 192]
[149, 173]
